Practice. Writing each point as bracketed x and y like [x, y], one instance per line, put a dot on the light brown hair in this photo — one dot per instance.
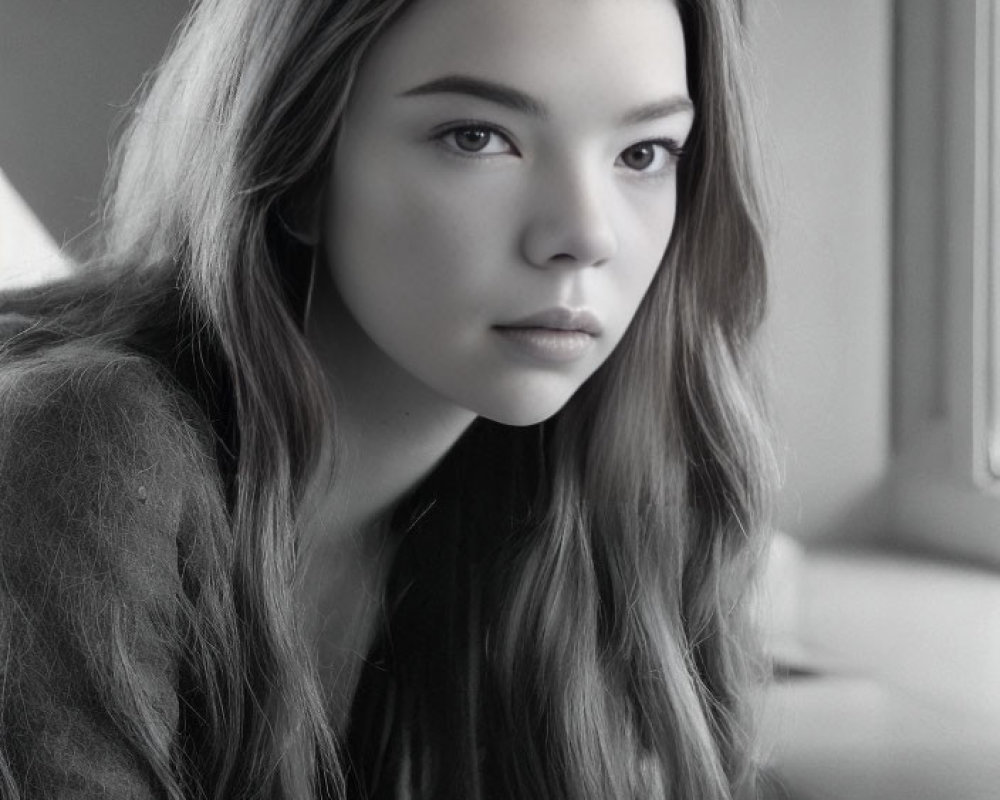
[606, 650]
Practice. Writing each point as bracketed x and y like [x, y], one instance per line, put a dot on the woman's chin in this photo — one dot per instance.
[524, 411]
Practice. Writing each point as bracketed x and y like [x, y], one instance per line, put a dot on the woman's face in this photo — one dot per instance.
[503, 191]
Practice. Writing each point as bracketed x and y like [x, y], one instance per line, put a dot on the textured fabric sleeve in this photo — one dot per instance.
[92, 466]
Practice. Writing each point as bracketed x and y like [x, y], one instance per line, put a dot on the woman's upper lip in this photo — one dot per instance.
[560, 319]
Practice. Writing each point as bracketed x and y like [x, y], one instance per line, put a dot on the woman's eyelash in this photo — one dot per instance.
[674, 149]
[650, 159]
[672, 146]
[467, 126]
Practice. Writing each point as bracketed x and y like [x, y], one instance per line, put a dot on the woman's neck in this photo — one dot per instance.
[390, 429]
[390, 432]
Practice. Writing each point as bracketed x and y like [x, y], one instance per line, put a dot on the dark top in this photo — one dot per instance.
[104, 483]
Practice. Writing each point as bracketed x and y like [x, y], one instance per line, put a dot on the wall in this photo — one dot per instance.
[825, 74]
[66, 69]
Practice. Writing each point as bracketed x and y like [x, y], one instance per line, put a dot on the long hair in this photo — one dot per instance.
[566, 609]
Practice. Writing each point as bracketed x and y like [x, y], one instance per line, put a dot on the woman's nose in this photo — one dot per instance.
[569, 219]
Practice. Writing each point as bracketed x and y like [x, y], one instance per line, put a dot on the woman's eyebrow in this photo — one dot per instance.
[491, 91]
[679, 104]
[516, 100]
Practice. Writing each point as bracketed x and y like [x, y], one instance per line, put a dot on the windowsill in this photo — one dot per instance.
[942, 513]
[905, 700]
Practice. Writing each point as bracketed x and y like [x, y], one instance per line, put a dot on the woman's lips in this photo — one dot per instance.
[556, 335]
[560, 319]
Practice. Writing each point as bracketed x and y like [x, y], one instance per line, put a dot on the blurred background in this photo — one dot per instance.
[880, 138]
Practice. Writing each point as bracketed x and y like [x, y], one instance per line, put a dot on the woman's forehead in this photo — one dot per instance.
[628, 50]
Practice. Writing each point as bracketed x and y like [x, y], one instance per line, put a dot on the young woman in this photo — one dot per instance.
[403, 437]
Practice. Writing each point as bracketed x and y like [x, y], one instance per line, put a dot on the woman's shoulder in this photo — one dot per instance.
[92, 390]
[90, 432]
[105, 484]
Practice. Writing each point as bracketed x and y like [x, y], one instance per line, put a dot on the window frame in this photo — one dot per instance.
[944, 490]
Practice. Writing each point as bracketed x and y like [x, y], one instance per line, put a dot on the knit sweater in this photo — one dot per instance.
[104, 486]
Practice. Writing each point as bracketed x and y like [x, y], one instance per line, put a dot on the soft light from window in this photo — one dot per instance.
[28, 254]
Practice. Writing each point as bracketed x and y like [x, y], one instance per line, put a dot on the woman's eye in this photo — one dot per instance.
[476, 140]
[650, 157]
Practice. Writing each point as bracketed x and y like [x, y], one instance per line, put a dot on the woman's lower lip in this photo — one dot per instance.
[548, 344]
